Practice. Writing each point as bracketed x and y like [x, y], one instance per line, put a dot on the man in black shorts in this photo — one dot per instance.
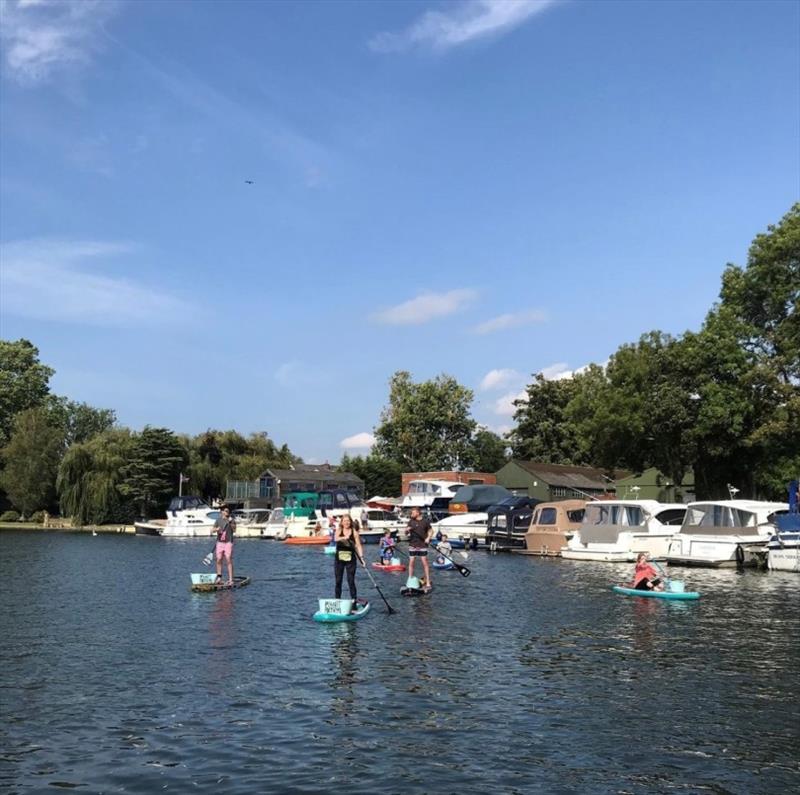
[420, 533]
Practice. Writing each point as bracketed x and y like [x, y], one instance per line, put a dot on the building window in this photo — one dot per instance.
[265, 487]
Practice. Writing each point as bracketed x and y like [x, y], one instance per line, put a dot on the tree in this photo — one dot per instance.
[543, 432]
[90, 475]
[24, 382]
[427, 425]
[487, 452]
[382, 476]
[31, 460]
[80, 420]
[150, 477]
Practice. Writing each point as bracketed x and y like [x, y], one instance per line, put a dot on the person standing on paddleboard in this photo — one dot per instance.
[348, 550]
[420, 533]
[224, 527]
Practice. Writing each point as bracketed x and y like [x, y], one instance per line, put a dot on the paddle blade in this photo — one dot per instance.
[463, 570]
[207, 559]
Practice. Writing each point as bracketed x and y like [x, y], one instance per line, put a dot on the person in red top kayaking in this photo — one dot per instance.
[645, 577]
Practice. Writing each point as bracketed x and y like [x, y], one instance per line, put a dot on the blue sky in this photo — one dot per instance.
[484, 188]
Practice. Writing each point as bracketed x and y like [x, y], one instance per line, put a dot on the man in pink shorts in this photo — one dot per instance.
[224, 528]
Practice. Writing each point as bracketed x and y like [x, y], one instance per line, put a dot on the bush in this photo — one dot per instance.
[9, 516]
[37, 517]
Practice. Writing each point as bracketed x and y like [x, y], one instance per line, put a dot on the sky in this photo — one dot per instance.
[250, 214]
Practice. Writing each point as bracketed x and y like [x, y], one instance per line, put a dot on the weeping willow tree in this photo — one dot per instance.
[89, 478]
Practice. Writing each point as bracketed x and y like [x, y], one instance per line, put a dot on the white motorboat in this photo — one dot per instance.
[618, 530]
[783, 549]
[187, 517]
[250, 522]
[422, 493]
[282, 526]
[464, 529]
[720, 533]
[378, 522]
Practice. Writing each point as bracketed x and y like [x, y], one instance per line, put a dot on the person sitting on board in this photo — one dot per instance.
[224, 527]
[420, 533]
[348, 550]
[387, 548]
[444, 547]
[645, 577]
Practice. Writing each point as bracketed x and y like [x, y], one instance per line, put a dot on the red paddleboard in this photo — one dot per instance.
[308, 540]
[391, 567]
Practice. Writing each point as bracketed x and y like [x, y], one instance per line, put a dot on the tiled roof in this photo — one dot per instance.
[570, 476]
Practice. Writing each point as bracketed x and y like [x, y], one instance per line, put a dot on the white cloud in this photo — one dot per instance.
[504, 406]
[511, 320]
[51, 280]
[556, 372]
[497, 379]
[42, 36]
[360, 441]
[290, 373]
[460, 23]
[425, 307]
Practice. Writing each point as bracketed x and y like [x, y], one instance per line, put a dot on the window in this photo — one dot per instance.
[265, 487]
[673, 516]
[326, 500]
[435, 489]
[547, 516]
[341, 500]
[576, 516]
[634, 516]
[456, 486]
[354, 499]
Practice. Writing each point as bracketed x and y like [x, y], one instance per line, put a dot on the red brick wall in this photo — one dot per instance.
[456, 477]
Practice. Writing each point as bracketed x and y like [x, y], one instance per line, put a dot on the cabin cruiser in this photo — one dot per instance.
[552, 526]
[187, 517]
[509, 520]
[422, 493]
[720, 533]
[378, 522]
[617, 530]
[783, 549]
[463, 529]
[251, 521]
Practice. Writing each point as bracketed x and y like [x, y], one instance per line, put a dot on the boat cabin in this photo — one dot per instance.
[508, 522]
[300, 503]
[552, 526]
[187, 504]
[421, 493]
[336, 502]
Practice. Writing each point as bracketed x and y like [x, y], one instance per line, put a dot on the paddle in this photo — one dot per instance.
[210, 556]
[377, 588]
[667, 579]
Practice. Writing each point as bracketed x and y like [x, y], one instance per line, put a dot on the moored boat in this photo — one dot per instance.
[463, 529]
[187, 517]
[617, 530]
[783, 549]
[724, 533]
[552, 526]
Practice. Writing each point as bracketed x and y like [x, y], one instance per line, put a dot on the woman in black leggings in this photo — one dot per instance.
[348, 550]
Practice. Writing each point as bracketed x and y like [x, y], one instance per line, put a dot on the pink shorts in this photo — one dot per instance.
[224, 549]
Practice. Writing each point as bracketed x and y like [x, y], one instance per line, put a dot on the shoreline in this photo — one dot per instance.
[103, 528]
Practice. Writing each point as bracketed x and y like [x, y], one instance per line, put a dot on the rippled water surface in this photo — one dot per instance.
[528, 676]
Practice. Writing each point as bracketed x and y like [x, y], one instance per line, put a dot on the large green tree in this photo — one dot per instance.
[543, 432]
[427, 425]
[150, 477]
[486, 452]
[31, 460]
[24, 382]
[382, 476]
[90, 475]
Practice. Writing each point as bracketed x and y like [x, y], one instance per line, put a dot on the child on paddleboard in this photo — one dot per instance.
[387, 548]
[445, 548]
[645, 577]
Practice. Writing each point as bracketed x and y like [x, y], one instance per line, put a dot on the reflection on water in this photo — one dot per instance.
[529, 676]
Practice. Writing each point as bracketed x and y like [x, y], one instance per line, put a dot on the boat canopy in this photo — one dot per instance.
[187, 504]
[728, 517]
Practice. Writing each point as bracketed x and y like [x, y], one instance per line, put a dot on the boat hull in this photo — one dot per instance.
[715, 552]
[676, 596]
[783, 553]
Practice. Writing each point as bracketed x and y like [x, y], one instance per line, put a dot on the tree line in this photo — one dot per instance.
[723, 402]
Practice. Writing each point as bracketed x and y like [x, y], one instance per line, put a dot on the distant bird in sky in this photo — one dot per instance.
[249, 182]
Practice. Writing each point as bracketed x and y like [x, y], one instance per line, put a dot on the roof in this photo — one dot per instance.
[312, 476]
[569, 476]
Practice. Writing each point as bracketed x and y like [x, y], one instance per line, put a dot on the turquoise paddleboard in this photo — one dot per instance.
[331, 610]
[686, 595]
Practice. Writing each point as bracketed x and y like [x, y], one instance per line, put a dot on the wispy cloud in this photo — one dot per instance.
[359, 441]
[291, 373]
[42, 36]
[58, 281]
[497, 379]
[504, 406]
[511, 320]
[460, 23]
[425, 307]
[560, 371]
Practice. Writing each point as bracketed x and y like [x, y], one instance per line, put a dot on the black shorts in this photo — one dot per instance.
[417, 552]
[642, 585]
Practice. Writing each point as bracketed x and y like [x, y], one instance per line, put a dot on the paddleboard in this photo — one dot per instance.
[415, 591]
[305, 540]
[332, 610]
[329, 550]
[391, 567]
[675, 595]
[444, 566]
[207, 581]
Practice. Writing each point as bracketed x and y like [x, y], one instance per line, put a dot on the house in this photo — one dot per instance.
[467, 478]
[270, 487]
[550, 482]
[654, 485]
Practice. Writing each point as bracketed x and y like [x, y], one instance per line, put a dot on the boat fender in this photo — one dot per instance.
[739, 555]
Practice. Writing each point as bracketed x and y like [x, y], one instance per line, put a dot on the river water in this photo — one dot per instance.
[528, 676]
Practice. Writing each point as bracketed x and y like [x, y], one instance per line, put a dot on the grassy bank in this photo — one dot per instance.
[105, 528]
